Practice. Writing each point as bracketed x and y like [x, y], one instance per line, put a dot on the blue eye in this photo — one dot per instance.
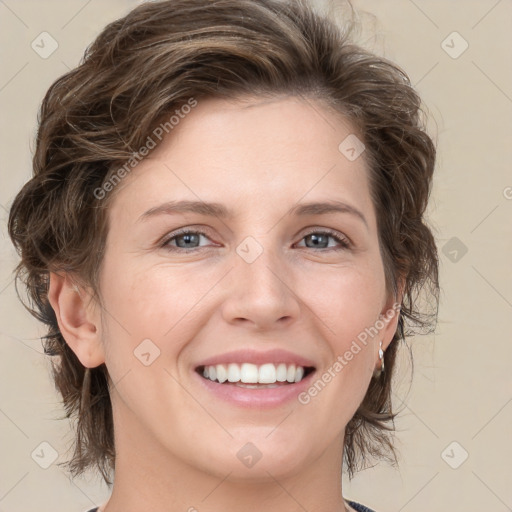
[189, 240]
[320, 240]
[186, 240]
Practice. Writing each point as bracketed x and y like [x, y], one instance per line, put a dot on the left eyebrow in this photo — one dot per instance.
[221, 211]
[327, 207]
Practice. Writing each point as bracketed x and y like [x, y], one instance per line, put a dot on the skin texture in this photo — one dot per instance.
[177, 444]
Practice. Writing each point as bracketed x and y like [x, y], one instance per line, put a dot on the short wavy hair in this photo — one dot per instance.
[141, 69]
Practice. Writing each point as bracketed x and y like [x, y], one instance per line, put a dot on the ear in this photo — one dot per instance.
[78, 317]
[390, 315]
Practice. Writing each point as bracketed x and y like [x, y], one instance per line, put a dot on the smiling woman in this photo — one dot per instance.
[225, 237]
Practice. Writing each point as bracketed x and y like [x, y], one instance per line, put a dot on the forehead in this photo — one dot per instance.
[249, 152]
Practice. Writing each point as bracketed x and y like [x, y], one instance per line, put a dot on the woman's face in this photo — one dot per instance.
[262, 281]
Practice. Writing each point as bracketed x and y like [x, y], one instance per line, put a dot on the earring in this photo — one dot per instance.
[379, 371]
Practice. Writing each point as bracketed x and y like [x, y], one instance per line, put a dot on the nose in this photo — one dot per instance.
[260, 294]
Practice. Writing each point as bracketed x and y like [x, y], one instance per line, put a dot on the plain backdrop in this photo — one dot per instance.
[454, 431]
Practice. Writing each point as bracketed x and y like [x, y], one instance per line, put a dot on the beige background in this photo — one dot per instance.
[462, 386]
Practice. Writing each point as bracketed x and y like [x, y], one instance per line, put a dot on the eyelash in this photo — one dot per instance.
[344, 242]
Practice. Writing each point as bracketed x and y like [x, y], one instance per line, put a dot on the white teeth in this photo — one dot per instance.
[233, 373]
[290, 374]
[248, 373]
[222, 373]
[281, 373]
[267, 374]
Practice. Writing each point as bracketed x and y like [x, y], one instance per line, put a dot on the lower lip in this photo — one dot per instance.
[256, 398]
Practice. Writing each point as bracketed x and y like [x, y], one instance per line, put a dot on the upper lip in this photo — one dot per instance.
[274, 356]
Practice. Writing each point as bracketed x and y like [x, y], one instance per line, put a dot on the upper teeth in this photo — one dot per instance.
[252, 374]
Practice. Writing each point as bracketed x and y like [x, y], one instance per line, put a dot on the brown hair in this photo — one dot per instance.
[140, 70]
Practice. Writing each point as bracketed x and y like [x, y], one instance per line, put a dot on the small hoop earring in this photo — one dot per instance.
[379, 371]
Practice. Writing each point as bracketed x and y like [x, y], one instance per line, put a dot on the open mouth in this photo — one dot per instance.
[254, 376]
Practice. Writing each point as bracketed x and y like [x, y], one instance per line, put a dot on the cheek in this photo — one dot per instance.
[347, 301]
[148, 301]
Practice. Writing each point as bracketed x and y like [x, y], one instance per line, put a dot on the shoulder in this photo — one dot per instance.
[359, 507]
